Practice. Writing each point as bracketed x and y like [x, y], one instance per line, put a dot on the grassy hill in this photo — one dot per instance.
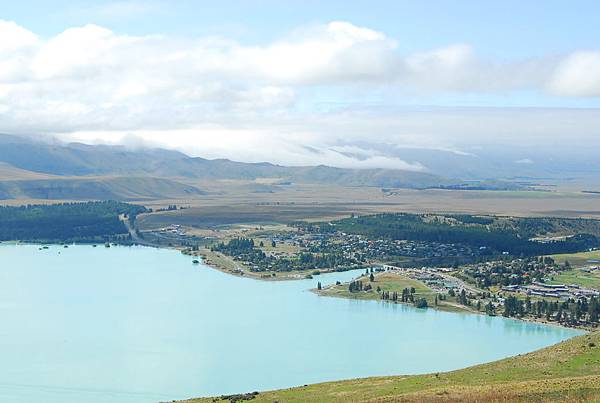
[81, 160]
[568, 371]
[96, 188]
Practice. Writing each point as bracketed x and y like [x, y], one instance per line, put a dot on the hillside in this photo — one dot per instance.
[568, 371]
[94, 188]
[84, 160]
[9, 172]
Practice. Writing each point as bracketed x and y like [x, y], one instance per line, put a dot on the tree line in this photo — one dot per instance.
[67, 222]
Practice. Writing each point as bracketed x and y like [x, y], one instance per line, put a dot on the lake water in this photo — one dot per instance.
[134, 324]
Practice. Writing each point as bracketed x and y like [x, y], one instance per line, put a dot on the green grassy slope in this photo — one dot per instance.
[392, 282]
[568, 371]
[579, 259]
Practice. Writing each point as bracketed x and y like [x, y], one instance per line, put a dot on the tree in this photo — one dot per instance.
[462, 298]
[593, 309]
[489, 309]
[421, 303]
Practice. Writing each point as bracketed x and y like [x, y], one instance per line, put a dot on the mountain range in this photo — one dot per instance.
[51, 170]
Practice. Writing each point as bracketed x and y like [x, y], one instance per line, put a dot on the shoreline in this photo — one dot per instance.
[203, 254]
[464, 311]
[458, 309]
[209, 257]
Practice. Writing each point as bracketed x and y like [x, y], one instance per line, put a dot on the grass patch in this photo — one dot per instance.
[579, 259]
[391, 282]
[568, 371]
[579, 277]
[280, 247]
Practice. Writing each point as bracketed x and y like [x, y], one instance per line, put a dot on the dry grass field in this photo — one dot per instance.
[228, 204]
[227, 201]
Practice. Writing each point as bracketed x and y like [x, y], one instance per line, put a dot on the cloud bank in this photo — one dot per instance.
[216, 97]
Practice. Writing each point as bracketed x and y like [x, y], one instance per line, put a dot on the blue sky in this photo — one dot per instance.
[297, 73]
[506, 29]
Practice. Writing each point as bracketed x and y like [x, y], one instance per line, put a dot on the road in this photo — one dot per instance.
[134, 235]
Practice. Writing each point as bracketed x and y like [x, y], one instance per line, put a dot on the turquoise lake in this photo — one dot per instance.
[135, 324]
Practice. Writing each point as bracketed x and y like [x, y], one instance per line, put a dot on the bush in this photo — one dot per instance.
[421, 303]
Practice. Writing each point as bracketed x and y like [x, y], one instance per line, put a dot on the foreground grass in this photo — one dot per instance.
[568, 371]
[392, 282]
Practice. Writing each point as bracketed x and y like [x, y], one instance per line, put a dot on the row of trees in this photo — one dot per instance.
[571, 311]
[357, 285]
[407, 296]
[582, 311]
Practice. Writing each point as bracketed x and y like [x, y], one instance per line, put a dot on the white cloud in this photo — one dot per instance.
[444, 68]
[15, 37]
[578, 75]
[375, 140]
[16, 44]
[216, 97]
[75, 52]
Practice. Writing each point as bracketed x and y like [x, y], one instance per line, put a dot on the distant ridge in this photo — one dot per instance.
[92, 160]
[94, 188]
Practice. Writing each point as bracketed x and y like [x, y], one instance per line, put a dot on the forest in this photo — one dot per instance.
[67, 222]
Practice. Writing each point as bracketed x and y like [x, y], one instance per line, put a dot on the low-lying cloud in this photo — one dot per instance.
[219, 98]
